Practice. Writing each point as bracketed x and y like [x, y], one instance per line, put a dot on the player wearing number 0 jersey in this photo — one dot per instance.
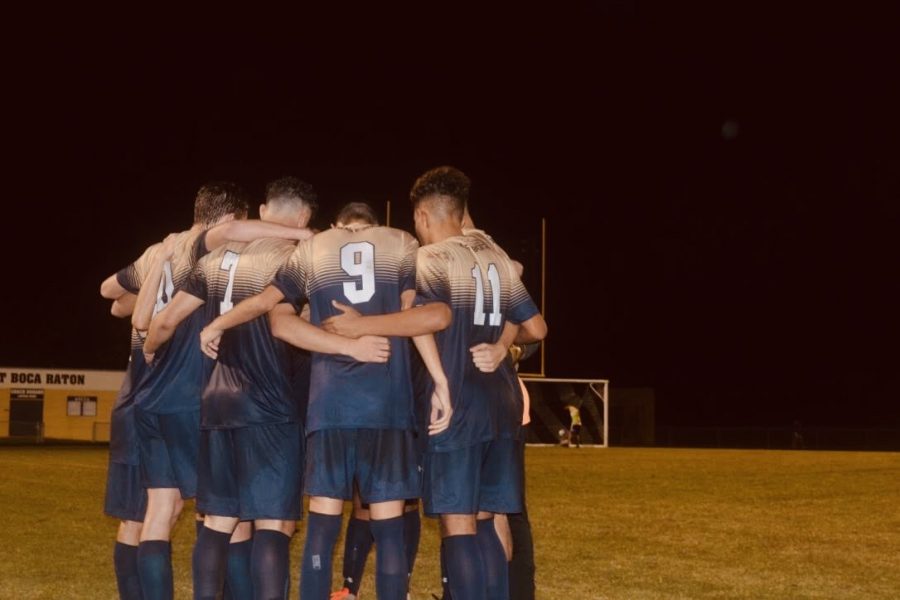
[126, 499]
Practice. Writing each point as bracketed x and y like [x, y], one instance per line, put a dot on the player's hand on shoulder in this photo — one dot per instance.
[344, 323]
[487, 357]
[441, 410]
[371, 348]
[209, 341]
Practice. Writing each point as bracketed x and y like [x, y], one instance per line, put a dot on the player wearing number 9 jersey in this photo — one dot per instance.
[360, 423]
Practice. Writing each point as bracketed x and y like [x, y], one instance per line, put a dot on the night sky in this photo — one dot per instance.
[721, 186]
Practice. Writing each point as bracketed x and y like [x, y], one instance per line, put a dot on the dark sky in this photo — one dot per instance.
[721, 186]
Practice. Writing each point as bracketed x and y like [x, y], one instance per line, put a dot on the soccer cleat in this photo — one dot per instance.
[342, 594]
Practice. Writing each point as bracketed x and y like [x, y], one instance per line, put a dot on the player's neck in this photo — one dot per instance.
[443, 231]
[354, 225]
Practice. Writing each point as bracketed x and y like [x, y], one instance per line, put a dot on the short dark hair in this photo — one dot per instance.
[448, 182]
[357, 211]
[293, 189]
[218, 199]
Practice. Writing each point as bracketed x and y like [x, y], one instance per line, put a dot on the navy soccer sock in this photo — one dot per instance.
[238, 581]
[412, 530]
[155, 570]
[315, 573]
[390, 558]
[271, 565]
[445, 581]
[210, 561]
[495, 567]
[357, 546]
[125, 562]
[465, 571]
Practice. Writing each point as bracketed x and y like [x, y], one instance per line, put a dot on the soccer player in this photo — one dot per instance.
[360, 424]
[125, 498]
[250, 449]
[168, 401]
[471, 469]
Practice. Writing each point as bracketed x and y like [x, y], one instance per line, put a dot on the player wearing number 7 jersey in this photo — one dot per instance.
[168, 399]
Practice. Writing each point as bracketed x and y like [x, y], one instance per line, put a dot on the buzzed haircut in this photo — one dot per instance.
[449, 184]
[291, 190]
[218, 199]
[359, 212]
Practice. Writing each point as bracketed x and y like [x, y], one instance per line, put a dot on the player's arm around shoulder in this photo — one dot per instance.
[250, 230]
[532, 330]
[163, 325]
[291, 328]
[415, 321]
[243, 312]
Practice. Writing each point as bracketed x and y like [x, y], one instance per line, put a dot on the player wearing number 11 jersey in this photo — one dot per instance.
[471, 468]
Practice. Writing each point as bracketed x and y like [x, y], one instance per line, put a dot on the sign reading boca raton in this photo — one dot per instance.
[60, 378]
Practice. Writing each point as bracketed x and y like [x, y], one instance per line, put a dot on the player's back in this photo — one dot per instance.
[367, 268]
[477, 279]
[175, 379]
[251, 382]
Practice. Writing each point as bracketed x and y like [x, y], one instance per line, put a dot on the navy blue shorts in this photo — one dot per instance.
[482, 477]
[169, 445]
[253, 472]
[126, 498]
[383, 462]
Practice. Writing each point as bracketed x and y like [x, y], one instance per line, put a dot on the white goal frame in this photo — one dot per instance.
[600, 388]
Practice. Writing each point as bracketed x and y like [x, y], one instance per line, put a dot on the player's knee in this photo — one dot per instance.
[286, 527]
[457, 525]
[220, 523]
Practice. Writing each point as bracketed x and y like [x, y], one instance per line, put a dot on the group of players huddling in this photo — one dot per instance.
[268, 362]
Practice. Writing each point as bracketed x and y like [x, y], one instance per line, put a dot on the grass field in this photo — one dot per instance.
[617, 523]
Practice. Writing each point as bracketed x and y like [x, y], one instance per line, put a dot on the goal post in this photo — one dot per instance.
[549, 402]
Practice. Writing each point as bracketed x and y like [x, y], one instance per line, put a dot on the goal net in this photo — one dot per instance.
[551, 417]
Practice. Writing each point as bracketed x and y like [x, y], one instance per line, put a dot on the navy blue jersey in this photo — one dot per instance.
[176, 378]
[367, 268]
[123, 446]
[252, 381]
[477, 280]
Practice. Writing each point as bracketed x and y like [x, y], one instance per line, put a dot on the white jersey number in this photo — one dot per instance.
[165, 290]
[358, 260]
[229, 263]
[493, 276]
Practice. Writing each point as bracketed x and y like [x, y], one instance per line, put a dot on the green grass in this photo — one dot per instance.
[618, 523]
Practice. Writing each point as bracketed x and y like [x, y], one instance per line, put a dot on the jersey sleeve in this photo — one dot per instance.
[199, 249]
[132, 276]
[291, 278]
[521, 306]
[407, 272]
[432, 279]
[196, 284]
[128, 279]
